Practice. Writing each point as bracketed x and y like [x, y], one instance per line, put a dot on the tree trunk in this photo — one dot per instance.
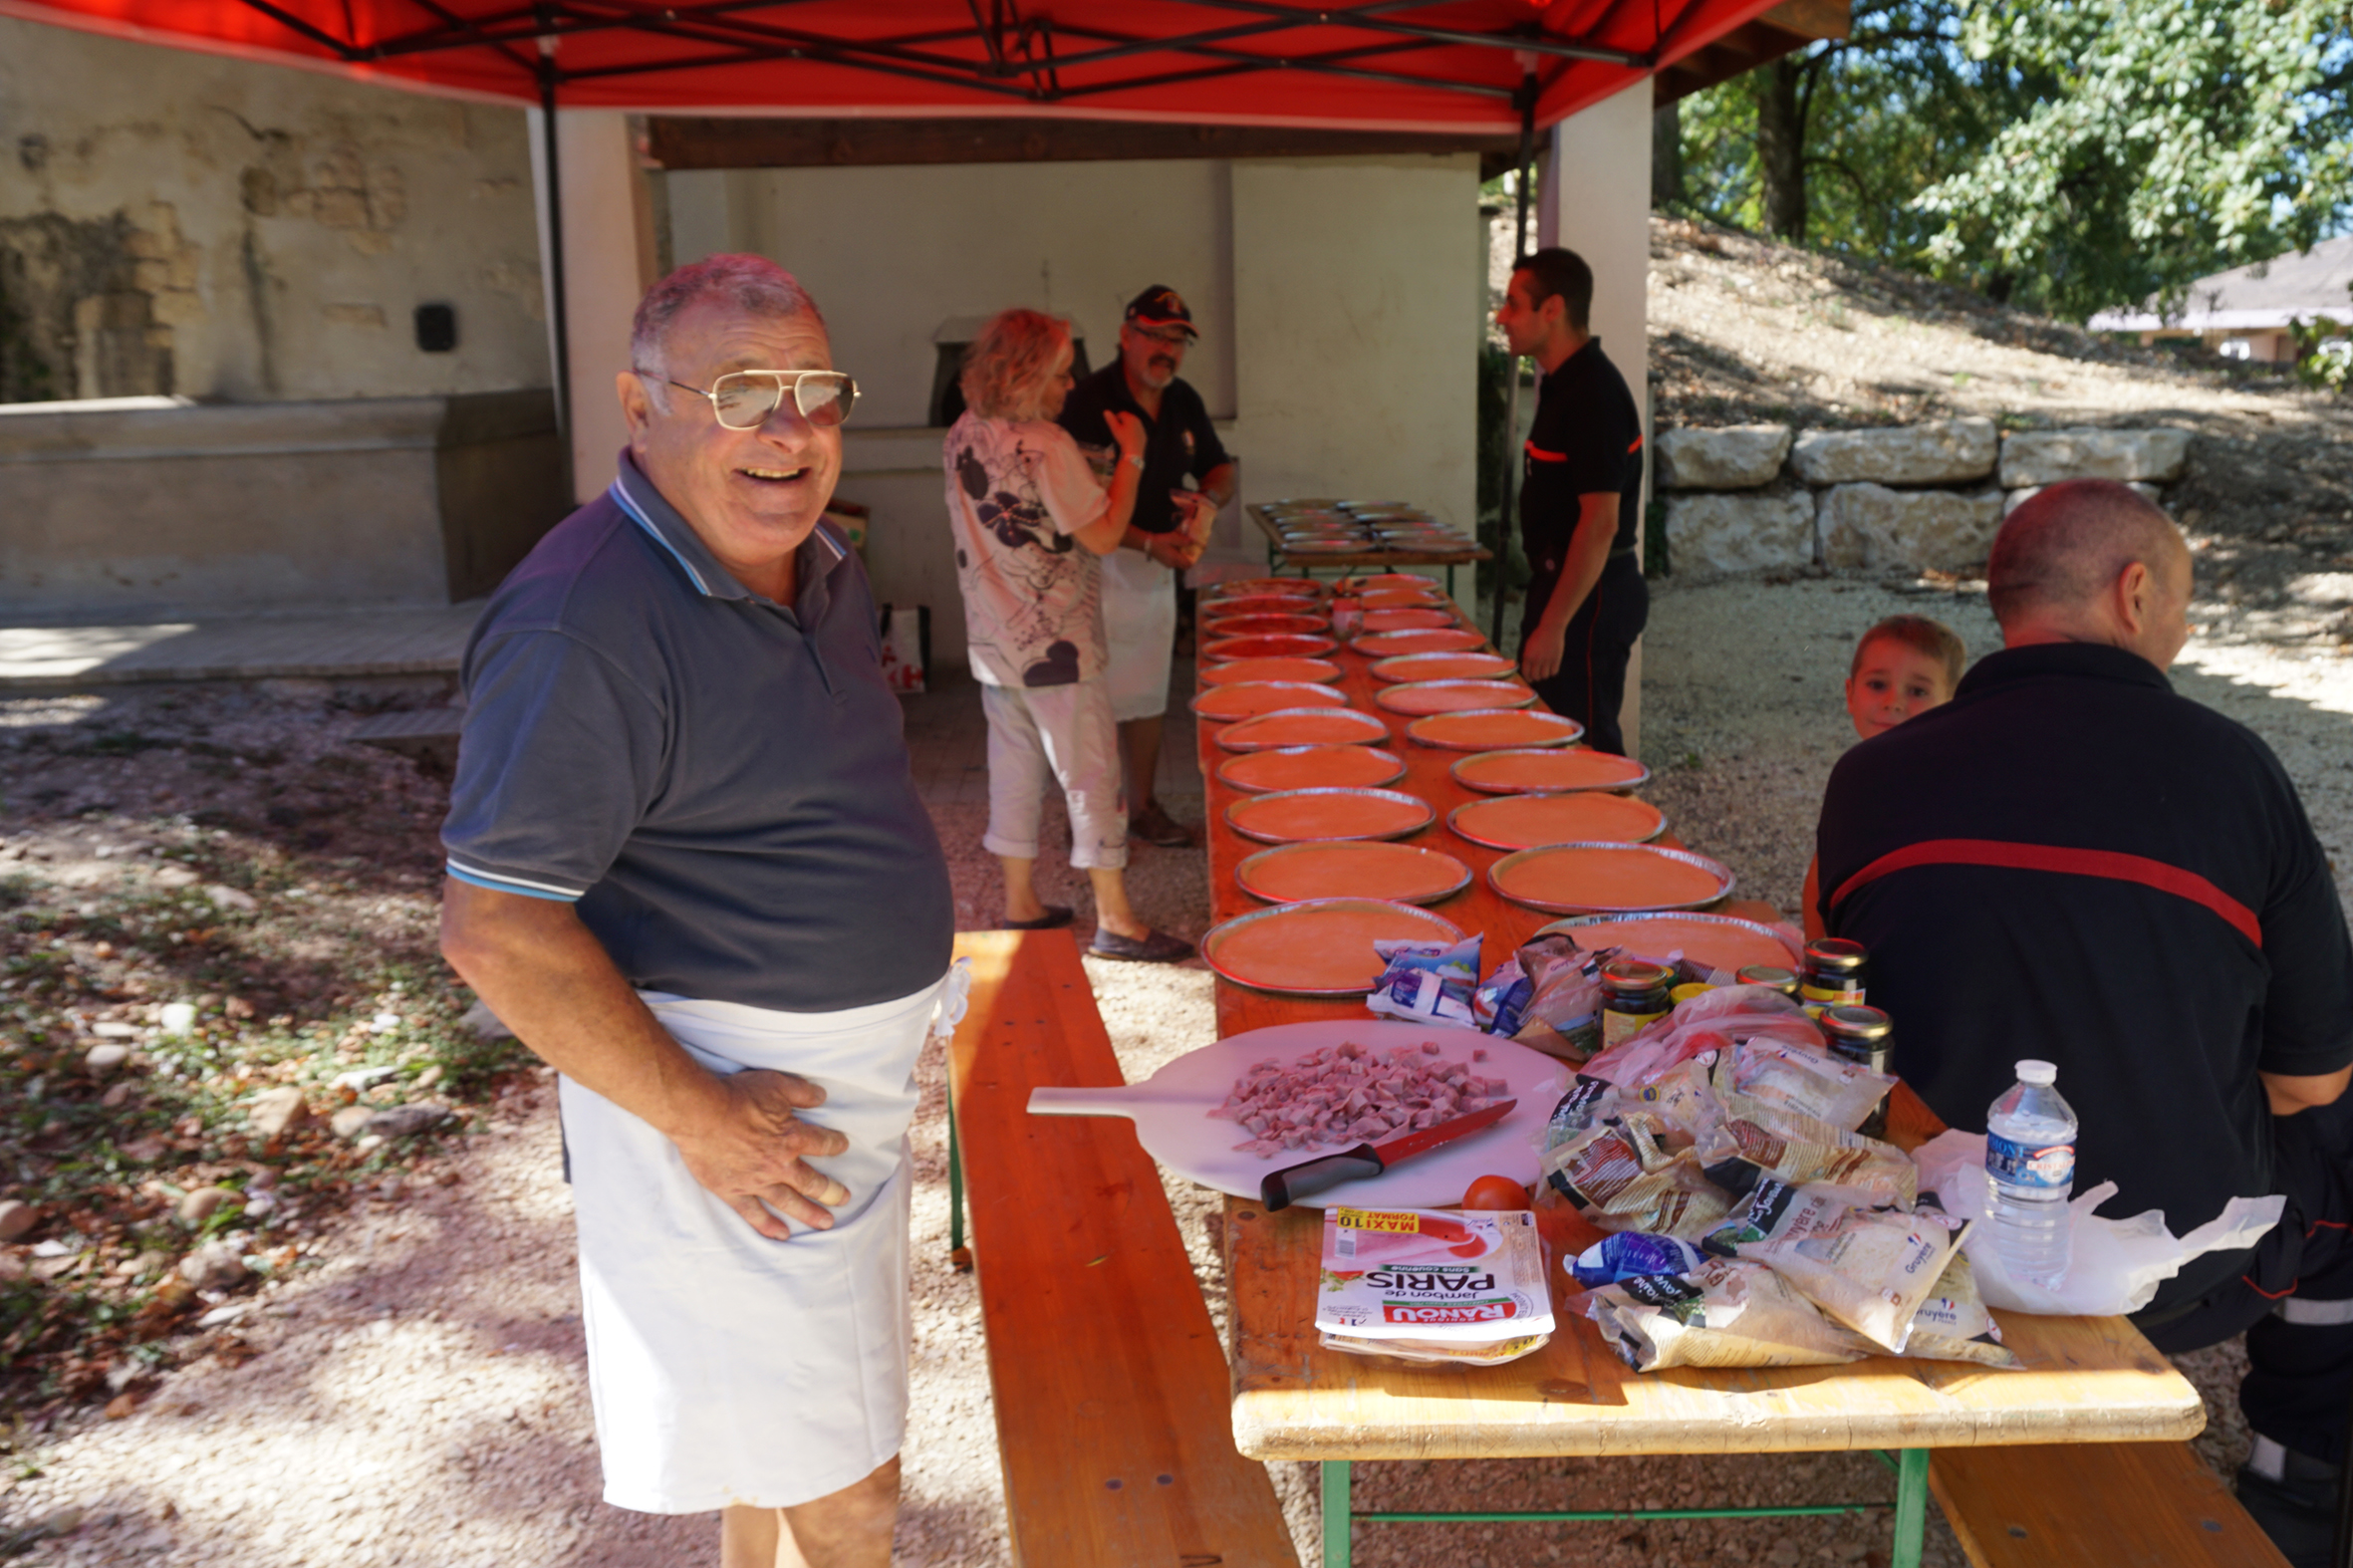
[1780, 149]
[1666, 156]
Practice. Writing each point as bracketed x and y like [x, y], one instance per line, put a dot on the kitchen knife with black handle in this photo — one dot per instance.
[1281, 1189]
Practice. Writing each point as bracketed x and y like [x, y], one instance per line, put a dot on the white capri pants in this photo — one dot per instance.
[726, 1368]
[1140, 633]
[1062, 733]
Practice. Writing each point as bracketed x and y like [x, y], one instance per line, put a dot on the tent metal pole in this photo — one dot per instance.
[560, 336]
[1519, 253]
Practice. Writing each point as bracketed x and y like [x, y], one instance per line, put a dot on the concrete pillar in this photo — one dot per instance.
[609, 263]
[1596, 199]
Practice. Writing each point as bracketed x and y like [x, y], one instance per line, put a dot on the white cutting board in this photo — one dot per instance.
[1170, 1110]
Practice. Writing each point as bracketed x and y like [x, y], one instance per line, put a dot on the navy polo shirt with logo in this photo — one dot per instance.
[1586, 440]
[717, 782]
[1180, 442]
[2069, 861]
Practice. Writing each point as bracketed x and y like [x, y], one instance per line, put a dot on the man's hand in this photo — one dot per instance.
[1126, 433]
[753, 1152]
[1539, 658]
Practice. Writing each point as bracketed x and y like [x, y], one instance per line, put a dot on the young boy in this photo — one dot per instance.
[1903, 666]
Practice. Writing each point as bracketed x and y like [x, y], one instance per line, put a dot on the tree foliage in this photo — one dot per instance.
[2068, 156]
[2158, 141]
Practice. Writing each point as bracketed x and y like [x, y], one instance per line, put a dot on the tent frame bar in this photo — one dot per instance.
[743, 41]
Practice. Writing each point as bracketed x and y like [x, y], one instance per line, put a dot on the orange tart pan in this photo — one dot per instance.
[1288, 587]
[1525, 822]
[1366, 582]
[1467, 664]
[1281, 645]
[1421, 697]
[1321, 947]
[1609, 878]
[1418, 639]
[1256, 625]
[1321, 815]
[1303, 727]
[1719, 941]
[1312, 767]
[1249, 698]
[1486, 729]
[1319, 671]
[1267, 604]
[1545, 771]
[1357, 869]
[1399, 599]
[1404, 619]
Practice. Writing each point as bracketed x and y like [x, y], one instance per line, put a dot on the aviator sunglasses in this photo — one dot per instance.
[743, 399]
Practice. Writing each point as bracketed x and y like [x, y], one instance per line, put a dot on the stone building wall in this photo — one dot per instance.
[189, 224]
[1918, 497]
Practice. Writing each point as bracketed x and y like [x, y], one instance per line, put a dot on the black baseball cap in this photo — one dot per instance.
[1161, 306]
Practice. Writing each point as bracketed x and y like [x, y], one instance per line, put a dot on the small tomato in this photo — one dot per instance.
[1494, 1192]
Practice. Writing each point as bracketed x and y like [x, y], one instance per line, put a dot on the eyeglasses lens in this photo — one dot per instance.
[744, 399]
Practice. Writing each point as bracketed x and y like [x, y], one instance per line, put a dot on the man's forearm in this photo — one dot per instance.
[550, 981]
[1588, 554]
[1221, 483]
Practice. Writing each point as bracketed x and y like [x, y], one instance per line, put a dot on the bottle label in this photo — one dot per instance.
[1616, 1026]
[2029, 1164]
[1832, 995]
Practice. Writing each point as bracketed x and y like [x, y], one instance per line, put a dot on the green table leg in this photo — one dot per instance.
[1911, 1506]
[955, 1180]
[1336, 1514]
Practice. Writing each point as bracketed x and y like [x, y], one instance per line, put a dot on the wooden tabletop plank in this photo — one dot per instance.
[1099, 1342]
[2088, 1380]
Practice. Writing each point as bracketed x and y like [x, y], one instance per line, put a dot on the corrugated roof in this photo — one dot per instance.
[2299, 285]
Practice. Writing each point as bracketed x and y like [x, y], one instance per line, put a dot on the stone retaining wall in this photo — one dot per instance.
[1917, 497]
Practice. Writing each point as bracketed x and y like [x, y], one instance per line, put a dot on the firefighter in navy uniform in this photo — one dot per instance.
[1580, 502]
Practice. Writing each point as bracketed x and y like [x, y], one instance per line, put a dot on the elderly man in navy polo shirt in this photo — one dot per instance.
[2070, 861]
[689, 866]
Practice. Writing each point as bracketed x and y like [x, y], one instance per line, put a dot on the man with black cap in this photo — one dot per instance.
[1139, 578]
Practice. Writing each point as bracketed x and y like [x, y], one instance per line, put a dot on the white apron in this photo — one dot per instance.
[1139, 635]
[726, 1368]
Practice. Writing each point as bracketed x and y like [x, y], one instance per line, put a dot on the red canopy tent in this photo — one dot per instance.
[1420, 65]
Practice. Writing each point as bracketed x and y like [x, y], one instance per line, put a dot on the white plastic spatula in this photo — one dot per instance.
[1170, 1110]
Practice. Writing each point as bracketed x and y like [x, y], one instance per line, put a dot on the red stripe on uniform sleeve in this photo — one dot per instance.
[1637, 447]
[1543, 456]
[2108, 864]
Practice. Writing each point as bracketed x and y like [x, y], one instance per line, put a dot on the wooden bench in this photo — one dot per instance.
[2117, 1504]
[1113, 1423]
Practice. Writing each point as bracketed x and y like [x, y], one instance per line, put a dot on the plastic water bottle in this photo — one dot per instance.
[2030, 1161]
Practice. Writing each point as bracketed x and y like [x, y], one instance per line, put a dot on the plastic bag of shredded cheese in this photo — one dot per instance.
[1710, 1021]
[1620, 1180]
[1801, 1080]
[1721, 1314]
[1748, 1143]
[1631, 1255]
[1953, 1325]
[1427, 982]
[1562, 1014]
[1866, 1265]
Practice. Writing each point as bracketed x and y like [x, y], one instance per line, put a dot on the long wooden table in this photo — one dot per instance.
[2088, 1380]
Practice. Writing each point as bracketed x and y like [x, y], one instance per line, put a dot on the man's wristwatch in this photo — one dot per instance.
[1133, 460]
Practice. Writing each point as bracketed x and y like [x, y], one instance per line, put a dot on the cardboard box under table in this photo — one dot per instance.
[2088, 1380]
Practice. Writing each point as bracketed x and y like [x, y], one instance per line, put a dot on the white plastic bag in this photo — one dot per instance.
[2114, 1265]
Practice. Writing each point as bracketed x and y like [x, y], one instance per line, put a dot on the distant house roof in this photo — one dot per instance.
[2299, 285]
